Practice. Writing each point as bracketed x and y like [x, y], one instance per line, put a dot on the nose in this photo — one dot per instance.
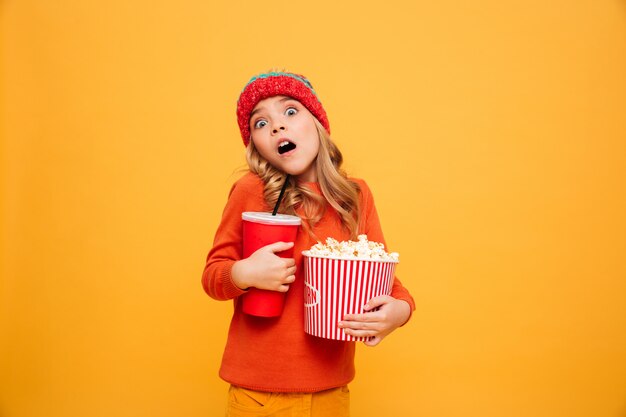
[279, 126]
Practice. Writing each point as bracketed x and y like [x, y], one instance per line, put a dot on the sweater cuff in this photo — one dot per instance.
[230, 290]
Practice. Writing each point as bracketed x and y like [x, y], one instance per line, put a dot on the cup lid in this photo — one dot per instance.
[267, 218]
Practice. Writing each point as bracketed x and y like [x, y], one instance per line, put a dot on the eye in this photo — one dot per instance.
[291, 111]
[260, 123]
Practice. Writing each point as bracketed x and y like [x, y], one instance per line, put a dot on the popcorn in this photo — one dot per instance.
[361, 249]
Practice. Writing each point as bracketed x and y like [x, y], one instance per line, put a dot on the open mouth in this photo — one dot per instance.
[285, 146]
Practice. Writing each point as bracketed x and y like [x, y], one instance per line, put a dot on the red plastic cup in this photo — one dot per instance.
[262, 229]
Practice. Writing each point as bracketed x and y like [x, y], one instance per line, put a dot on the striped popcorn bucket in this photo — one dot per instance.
[334, 287]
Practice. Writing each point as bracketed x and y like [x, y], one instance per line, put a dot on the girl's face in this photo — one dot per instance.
[284, 133]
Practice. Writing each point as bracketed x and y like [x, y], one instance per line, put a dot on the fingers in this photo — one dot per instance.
[279, 246]
[362, 325]
[373, 341]
[372, 310]
[377, 302]
[272, 271]
[359, 325]
[361, 333]
[372, 332]
[284, 287]
[366, 317]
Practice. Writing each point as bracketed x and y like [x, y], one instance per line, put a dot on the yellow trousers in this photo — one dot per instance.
[247, 403]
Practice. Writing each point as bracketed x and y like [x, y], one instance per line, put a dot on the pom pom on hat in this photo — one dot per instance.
[272, 84]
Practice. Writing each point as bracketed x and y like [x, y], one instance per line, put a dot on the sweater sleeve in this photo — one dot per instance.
[371, 226]
[227, 244]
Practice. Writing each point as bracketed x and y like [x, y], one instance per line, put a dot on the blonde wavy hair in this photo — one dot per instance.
[337, 190]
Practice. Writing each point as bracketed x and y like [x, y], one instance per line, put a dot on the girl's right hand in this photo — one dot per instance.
[266, 270]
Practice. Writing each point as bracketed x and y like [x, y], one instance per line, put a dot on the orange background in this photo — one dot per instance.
[493, 135]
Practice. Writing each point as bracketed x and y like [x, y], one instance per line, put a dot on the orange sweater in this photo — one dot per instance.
[274, 354]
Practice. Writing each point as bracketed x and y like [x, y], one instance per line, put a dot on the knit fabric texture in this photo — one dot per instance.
[272, 84]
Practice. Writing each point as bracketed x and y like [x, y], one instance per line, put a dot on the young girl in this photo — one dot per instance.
[273, 366]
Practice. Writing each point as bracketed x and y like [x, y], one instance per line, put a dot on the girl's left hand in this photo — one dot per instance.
[392, 314]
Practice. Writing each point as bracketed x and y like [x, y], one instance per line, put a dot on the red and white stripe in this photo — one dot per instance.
[336, 287]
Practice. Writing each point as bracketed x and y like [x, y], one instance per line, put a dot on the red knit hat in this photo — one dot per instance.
[272, 84]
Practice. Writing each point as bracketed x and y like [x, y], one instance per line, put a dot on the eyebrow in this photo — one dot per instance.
[281, 100]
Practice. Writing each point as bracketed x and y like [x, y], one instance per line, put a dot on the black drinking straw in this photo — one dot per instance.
[280, 196]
